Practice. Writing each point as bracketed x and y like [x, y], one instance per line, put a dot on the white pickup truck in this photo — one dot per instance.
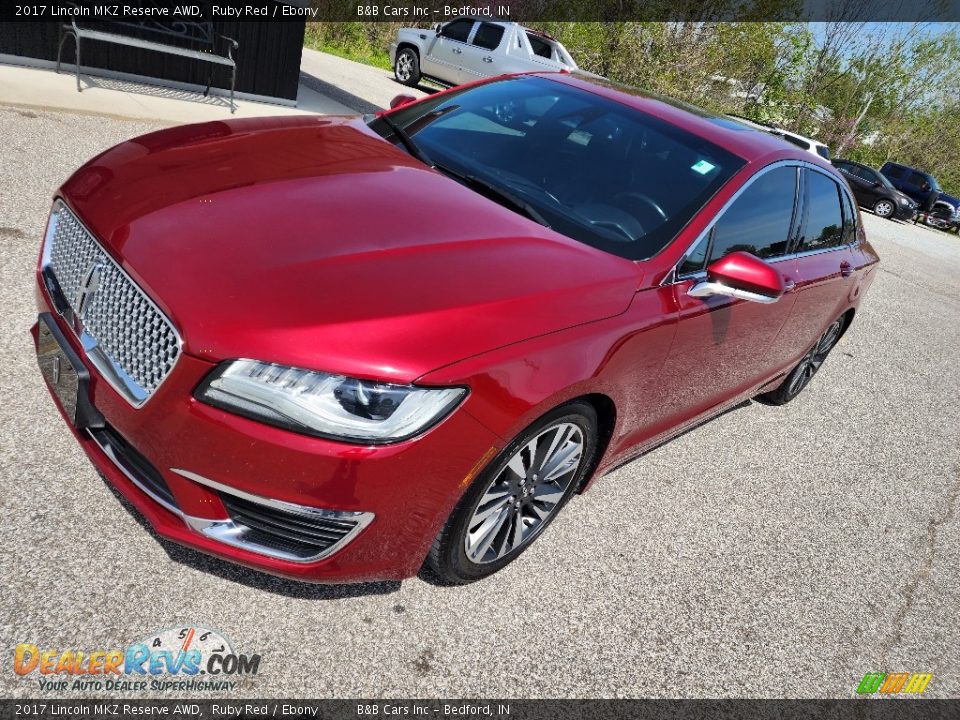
[468, 49]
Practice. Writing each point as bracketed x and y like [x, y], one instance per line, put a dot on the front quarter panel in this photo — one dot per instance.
[619, 358]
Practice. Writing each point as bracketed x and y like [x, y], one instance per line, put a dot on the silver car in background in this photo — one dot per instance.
[467, 49]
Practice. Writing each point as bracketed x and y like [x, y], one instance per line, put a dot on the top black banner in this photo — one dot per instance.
[427, 12]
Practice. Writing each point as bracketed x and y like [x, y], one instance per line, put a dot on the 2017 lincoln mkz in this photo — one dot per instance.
[348, 349]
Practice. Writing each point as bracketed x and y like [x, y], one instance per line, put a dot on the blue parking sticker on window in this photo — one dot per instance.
[702, 167]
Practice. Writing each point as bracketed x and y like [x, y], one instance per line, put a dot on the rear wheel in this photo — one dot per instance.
[406, 67]
[803, 373]
[514, 499]
[884, 208]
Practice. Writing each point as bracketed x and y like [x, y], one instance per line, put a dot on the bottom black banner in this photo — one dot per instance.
[885, 709]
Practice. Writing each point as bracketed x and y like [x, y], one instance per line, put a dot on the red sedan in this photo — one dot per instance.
[345, 349]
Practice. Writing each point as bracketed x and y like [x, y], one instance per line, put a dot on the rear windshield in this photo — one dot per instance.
[593, 169]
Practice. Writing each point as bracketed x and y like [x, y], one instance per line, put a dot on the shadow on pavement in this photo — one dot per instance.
[338, 94]
[253, 578]
[168, 93]
[355, 102]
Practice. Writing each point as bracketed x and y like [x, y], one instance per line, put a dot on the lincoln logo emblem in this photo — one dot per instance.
[87, 290]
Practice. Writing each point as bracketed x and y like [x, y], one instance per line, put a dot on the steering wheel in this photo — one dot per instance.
[646, 200]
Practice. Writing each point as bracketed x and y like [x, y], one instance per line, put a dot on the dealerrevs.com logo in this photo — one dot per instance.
[178, 659]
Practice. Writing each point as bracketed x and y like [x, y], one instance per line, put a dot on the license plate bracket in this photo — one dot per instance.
[65, 373]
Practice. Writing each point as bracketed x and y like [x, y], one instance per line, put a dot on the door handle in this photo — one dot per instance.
[488, 59]
[457, 51]
[846, 269]
[789, 285]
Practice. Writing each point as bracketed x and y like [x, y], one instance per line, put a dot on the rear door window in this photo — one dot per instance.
[850, 169]
[823, 218]
[863, 173]
[849, 219]
[488, 36]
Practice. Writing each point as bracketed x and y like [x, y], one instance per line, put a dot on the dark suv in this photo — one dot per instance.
[872, 190]
[922, 187]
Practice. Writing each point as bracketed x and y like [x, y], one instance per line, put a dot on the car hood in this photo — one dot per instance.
[313, 242]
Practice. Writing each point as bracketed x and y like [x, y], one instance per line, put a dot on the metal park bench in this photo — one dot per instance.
[200, 34]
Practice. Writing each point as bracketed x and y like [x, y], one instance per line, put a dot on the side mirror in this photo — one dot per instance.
[401, 100]
[436, 28]
[743, 276]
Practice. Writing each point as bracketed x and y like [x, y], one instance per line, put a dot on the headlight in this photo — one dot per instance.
[331, 406]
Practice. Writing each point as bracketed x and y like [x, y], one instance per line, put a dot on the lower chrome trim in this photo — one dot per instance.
[108, 451]
[230, 533]
[709, 289]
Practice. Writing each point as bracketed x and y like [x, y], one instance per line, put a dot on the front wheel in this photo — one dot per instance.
[884, 208]
[803, 373]
[514, 499]
[406, 67]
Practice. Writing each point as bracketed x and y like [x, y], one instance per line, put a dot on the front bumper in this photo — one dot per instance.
[206, 458]
[905, 212]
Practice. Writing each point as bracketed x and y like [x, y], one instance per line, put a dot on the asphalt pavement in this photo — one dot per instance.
[773, 552]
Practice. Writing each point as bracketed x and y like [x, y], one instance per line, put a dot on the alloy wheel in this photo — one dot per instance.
[404, 66]
[524, 494]
[884, 208]
[812, 361]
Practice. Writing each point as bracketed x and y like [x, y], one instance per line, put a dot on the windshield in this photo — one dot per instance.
[593, 169]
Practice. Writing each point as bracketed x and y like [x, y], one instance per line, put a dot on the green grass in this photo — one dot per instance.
[376, 58]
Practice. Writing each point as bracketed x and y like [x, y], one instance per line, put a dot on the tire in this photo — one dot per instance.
[803, 373]
[480, 536]
[406, 68]
[884, 208]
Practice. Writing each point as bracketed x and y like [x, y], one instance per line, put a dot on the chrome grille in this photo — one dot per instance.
[127, 328]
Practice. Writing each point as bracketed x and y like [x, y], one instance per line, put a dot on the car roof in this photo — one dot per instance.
[852, 162]
[802, 137]
[918, 171]
[776, 130]
[728, 133]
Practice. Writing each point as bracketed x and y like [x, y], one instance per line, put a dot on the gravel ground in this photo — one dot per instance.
[772, 552]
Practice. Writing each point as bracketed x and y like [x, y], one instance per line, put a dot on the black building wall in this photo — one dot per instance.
[268, 59]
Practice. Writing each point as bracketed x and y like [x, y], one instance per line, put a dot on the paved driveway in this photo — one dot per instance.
[361, 87]
[771, 552]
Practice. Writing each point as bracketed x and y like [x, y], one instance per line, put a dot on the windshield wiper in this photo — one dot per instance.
[504, 197]
[407, 141]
